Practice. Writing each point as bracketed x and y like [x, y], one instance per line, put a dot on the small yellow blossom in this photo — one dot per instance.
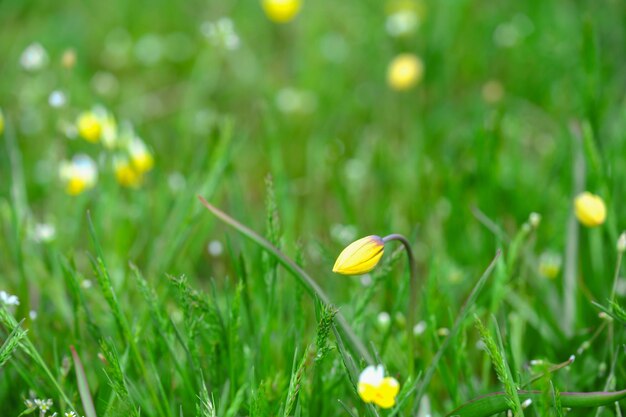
[590, 209]
[79, 175]
[281, 11]
[98, 125]
[1, 122]
[360, 256]
[126, 174]
[140, 157]
[550, 264]
[89, 126]
[404, 72]
[375, 388]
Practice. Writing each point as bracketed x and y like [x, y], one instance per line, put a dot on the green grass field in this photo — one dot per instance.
[123, 295]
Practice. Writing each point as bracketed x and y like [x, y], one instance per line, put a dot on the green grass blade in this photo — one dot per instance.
[83, 386]
[12, 343]
[455, 329]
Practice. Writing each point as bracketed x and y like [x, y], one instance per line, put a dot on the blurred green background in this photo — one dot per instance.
[512, 94]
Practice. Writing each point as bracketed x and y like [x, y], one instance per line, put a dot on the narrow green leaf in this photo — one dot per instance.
[495, 403]
[83, 386]
[471, 299]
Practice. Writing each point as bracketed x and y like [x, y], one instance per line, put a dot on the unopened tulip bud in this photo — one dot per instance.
[360, 256]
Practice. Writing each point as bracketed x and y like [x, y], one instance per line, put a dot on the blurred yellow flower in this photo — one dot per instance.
[126, 174]
[1, 122]
[79, 175]
[96, 125]
[360, 256]
[550, 264]
[590, 209]
[89, 126]
[375, 388]
[140, 157]
[68, 59]
[281, 11]
[404, 72]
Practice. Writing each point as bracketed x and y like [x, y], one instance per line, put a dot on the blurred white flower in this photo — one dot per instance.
[366, 280]
[215, 248]
[34, 57]
[32, 314]
[355, 169]
[508, 34]
[343, 234]
[79, 174]
[57, 99]
[401, 23]
[105, 84]
[8, 299]
[383, 320]
[221, 33]
[291, 100]
[43, 232]
[149, 49]
[419, 328]
[176, 181]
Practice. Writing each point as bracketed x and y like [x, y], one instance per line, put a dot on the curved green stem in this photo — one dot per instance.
[412, 306]
[495, 403]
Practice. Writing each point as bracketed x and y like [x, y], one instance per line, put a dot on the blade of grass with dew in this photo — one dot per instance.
[309, 283]
[471, 299]
[83, 385]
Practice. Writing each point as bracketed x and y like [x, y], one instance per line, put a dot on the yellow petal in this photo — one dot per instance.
[281, 11]
[360, 257]
[89, 126]
[126, 175]
[386, 393]
[590, 209]
[75, 186]
[367, 392]
[390, 387]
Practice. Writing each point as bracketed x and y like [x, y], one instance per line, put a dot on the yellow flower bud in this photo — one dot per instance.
[590, 209]
[281, 11]
[375, 388]
[89, 126]
[404, 72]
[360, 257]
[1, 122]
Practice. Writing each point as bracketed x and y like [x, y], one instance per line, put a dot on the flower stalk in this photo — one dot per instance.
[363, 255]
[412, 305]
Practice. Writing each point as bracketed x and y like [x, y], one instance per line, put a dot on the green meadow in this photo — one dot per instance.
[179, 179]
